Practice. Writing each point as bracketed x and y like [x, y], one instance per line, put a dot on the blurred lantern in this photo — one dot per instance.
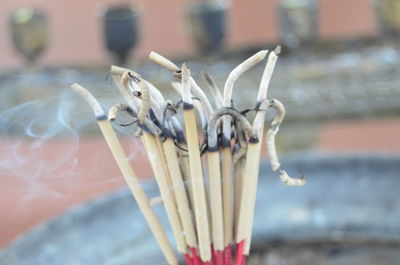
[206, 24]
[121, 30]
[389, 16]
[29, 31]
[298, 22]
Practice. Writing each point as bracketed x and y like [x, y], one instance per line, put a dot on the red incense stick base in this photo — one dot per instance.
[188, 259]
[240, 257]
[219, 258]
[228, 255]
[195, 257]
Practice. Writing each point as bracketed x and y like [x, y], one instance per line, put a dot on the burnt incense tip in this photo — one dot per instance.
[187, 106]
[253, 140]
[213, 148]
[225, 142]
[167, 133]
[101, 117]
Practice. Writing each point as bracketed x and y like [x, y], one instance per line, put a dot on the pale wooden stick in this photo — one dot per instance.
[226, 153]
[160, 168]
[156, 201]
[196, 170]
[214, 171]
[155, 156]
[180, 192]
[197, 91]
[247, 204]
[185, 167]
[239, 175]
[172, 160]
[251, 173]
[129, 175]
[182, 150]
[156, 159]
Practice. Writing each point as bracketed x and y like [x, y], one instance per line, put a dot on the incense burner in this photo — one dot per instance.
[347, 199]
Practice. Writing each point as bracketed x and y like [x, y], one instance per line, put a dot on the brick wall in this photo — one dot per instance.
[76, 33]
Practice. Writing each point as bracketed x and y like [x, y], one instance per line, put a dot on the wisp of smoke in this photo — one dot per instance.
[26, 132]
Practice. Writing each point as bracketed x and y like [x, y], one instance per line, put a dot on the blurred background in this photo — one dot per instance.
[338, 76]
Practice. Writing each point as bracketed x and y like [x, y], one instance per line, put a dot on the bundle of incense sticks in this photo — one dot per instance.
[207, 178]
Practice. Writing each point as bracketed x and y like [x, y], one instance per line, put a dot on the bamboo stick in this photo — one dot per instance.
[129, 175]
[196, 170]
[253, 154]
[155, 156]
[239, 175]
[180, 192]
[226, 153]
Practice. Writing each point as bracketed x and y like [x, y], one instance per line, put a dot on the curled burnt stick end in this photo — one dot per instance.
[97, 109]
[125, 78]
[271, 148]
[238, 71]
[287, 180]
[178, 72]
[117, 71]
[144, 96]
[147, 125]
[113, 113]
[267, 75]
[280, 112]
[239, 119]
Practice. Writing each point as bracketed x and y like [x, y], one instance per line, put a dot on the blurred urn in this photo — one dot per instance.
[388, 12]
[206, 23]
[298, 22]
[29, 31]
[121, 27]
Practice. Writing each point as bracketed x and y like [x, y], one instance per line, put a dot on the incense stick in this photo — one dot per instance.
[223, 210]
[226, 153]
[129, 175]
[156, 159]
[246, 213]
[196, 170]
